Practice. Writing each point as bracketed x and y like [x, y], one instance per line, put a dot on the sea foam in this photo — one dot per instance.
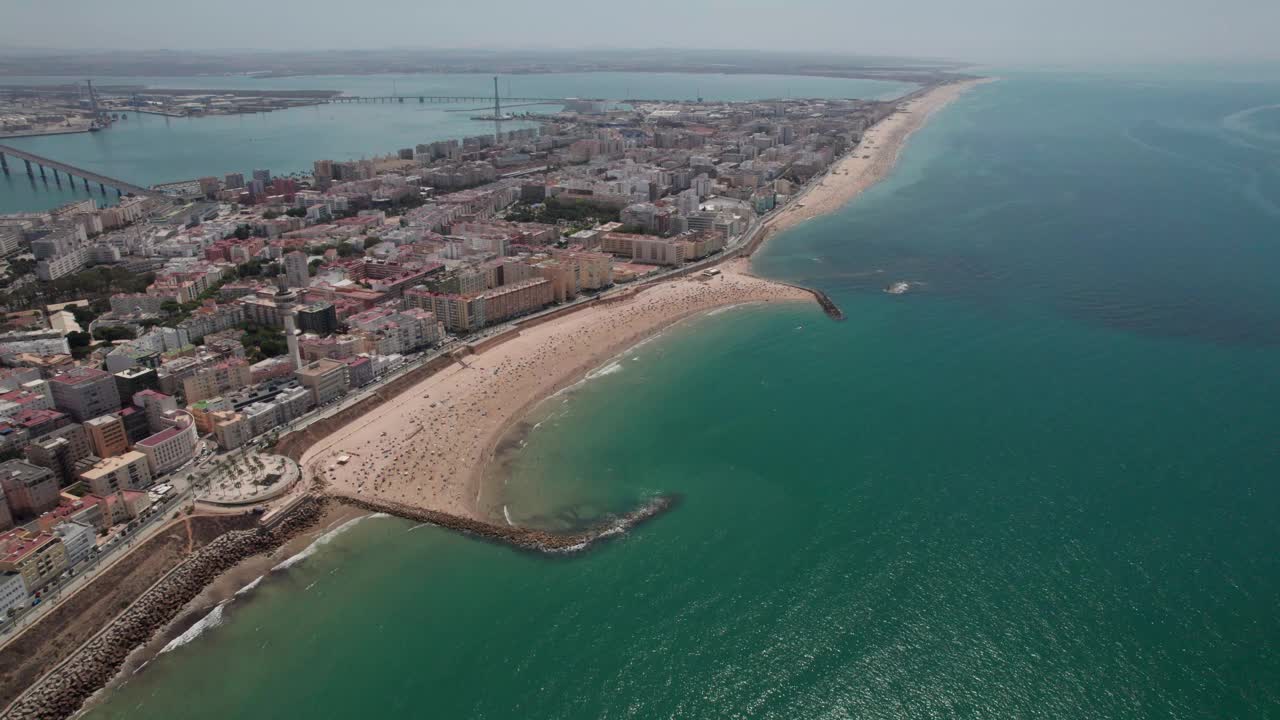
[208, 622]
[323, 540]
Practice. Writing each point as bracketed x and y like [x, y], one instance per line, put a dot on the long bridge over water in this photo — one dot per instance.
[72, 172]
[489, 99]
[445, 99]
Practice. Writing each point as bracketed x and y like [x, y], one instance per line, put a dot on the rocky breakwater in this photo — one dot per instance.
[829, 306]
[529, 539]
[63, 691]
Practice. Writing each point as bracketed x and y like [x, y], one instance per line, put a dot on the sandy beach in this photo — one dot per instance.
[428, 448]
[870, 162]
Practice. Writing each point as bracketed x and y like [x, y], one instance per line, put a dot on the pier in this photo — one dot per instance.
[72, 172]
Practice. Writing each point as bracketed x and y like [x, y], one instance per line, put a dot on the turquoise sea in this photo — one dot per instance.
[149, 149]
[1042, 485]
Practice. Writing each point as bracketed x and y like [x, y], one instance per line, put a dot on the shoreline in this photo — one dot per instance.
[63, 690]
[431, 447]
[471, 404]
[252, 570]
[865, 166]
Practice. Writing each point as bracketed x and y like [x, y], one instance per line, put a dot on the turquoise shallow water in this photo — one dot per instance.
[1041, 486]
[148, 149]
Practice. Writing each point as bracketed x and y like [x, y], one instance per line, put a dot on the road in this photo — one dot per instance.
[108, 554]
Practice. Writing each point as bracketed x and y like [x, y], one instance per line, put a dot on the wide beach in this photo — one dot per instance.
[429, 447]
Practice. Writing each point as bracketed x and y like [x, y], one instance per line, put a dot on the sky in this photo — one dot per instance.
[974, 30]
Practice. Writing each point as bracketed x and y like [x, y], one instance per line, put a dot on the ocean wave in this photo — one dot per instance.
[208, 622]
[249, 588]
[609, 369]
[323, 540]
[647, 340]
[722, 310]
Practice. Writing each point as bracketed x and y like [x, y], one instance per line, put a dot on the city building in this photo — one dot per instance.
[107, 435]
[6, 515]
[13, 593]
[231, 429]
[320, 318]
[216, 379]
[459, 313]
[85, 393]
[325, 379]
[78, 541]
[29, 489]
[38, 557]
[121, 507]
[129, 471]
[136, 379]
[518, 298]
[173, 446]
[61, 451]
[296, 272]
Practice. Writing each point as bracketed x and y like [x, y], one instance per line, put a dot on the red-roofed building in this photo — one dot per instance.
[120, 507]
[40, 422]
[172, 446]
[39, 557]
[85, 393]
[359, 371]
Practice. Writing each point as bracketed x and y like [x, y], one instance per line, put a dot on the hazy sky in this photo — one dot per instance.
[1047, 30]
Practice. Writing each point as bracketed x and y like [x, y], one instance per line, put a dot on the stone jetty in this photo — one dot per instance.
[829, 306]
[62, 692]
[528, 539]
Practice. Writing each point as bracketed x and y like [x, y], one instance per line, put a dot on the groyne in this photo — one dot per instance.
[829, 306]
[61, 692]
[527, 539]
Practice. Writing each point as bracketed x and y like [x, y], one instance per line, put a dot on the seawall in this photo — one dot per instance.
[61, 692]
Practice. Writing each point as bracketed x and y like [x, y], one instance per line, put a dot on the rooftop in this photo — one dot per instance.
[160, 437]
[106, 466]
[79, 376]
[18, 544]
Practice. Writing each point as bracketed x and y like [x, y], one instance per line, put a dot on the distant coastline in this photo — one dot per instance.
[872, 161]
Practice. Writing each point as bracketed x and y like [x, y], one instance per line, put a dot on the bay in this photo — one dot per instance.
[149, 149]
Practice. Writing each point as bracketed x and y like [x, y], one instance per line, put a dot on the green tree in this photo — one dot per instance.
[83, 315]
[21, 266]
[243, 232]
[262, 342]
[114, 333]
